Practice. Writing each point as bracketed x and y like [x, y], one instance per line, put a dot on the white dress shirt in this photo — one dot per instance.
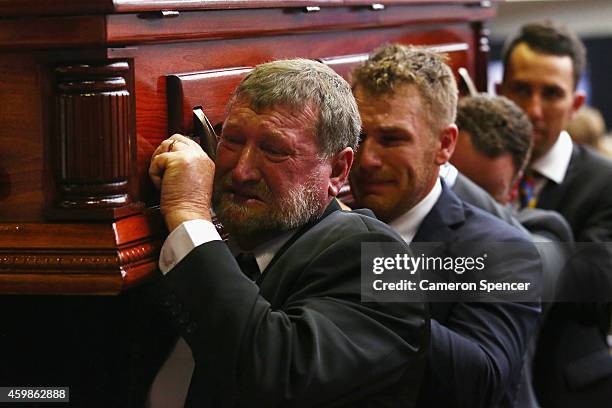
[191, 234]
[183, 240]
[554, 163]
[449, 174]
[266, 251]
[408, 223]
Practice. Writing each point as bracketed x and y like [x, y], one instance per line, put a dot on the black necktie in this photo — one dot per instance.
[248, 265]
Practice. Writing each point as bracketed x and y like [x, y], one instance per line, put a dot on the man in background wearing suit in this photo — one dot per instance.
[295, 333]
[407, 100]
[542, 66]
[493, 148]
[495, 140]
[494, 143]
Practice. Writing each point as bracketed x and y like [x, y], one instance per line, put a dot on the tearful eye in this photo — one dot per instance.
[521, 90]
[231, 142]
[392, 140]
[274, 152]
[552, 93]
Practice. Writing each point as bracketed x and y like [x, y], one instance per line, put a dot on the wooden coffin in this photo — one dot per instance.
[88, 89]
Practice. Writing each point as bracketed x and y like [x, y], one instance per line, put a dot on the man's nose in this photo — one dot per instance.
[534, 107]
[246, 169]
[368, 155]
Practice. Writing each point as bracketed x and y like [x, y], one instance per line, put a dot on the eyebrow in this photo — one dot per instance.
[269, 135]
[393, 129]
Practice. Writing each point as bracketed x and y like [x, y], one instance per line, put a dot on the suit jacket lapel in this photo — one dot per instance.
[333, 206]
[552, 193]
[438, 225]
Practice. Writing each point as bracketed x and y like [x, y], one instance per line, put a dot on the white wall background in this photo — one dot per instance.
[588, 18]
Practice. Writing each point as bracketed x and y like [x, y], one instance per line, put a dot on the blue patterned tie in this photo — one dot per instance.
[527, 196]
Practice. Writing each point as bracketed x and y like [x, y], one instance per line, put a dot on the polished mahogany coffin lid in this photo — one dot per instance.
[68, 7]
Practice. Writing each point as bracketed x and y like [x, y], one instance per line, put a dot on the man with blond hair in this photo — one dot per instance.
[407, 100]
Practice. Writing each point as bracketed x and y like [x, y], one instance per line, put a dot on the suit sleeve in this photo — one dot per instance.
[477, 352]
[472, 193]
[597, 224]
[322, 345]
[587, 278]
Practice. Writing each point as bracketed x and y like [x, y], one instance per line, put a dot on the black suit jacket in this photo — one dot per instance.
[584, 197]
[302, 337]
[475, 195]
[573, 365]
[554, 239]
[477, 348]
[546, 224]
[546, 227]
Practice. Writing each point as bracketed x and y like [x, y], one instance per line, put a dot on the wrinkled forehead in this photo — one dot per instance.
[393, 108]
[306, 112]
[303, 109]
[269, 101]
[276, 122]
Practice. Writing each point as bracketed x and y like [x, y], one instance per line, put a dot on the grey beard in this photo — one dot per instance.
[301, 205]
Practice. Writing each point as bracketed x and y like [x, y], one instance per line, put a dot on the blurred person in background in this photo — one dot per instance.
[589, 128]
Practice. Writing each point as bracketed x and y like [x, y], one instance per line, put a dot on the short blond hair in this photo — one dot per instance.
[391, 66]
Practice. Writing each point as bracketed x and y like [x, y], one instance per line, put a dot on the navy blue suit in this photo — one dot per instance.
[477, 348]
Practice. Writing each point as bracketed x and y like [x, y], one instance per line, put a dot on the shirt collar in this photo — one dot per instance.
[408, 223]
[553, 165]
[449, 174]
[265, 252]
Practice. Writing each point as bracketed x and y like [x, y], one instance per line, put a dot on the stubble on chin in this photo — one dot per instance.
[277, 215]
[381, 206]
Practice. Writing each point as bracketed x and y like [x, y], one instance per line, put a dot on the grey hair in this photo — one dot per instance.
[298, 83]
[393, 65]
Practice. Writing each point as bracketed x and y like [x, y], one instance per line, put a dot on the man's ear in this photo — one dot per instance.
[579, 99]
[446, 144]
[341, 164]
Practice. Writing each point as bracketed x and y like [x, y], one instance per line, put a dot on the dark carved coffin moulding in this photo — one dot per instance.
[96, 259]
[93, 143]
[96, 237]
